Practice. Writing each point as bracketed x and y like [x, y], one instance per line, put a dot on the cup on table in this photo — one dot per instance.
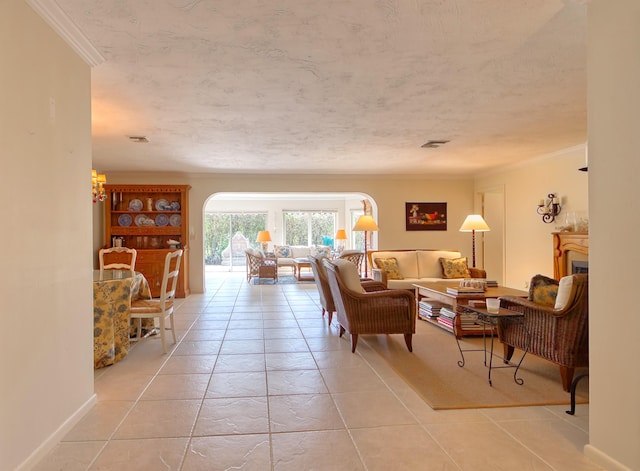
[493, 305]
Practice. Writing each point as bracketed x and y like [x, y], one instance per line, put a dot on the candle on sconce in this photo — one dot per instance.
[541, 203]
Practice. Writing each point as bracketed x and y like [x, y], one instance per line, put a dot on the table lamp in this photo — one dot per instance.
[264, 237]
[365, 223]
[340, 237]
[474, 223]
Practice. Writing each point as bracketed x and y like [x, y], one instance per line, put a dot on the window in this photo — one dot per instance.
[356, 236]
[309, 227]
[223, 230]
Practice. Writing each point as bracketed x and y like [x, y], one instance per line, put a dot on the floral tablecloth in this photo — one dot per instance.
[113, 291]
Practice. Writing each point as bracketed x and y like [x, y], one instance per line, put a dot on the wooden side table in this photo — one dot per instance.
[269, 271]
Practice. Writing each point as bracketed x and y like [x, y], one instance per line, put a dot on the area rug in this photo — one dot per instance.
[432, 371]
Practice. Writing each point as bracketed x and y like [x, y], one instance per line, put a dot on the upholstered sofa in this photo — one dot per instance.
[286, 254]
[401, 268]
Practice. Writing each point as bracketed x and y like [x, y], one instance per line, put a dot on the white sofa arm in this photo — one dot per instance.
[379, 275]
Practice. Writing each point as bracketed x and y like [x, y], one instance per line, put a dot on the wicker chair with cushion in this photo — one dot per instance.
[555, 325]
[354, 256]
[370, 309]
[320, 277]
[260, 267]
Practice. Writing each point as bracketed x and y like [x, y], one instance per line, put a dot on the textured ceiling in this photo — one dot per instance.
[334, 86]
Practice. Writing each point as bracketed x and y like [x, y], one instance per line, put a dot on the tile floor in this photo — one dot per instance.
[258, 381]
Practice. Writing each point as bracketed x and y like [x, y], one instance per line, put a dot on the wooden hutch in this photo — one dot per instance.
[153, 219]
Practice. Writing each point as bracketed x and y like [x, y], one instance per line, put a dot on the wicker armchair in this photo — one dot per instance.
[370, 309]
[260, 267]
[354, 256]
[558, 335]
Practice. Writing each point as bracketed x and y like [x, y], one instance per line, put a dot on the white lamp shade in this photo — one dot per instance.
[474, 222]
[366, 223]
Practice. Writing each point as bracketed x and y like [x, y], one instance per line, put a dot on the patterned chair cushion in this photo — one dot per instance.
[455, 268]
[543, 290]
[390, 267]
[282, 251]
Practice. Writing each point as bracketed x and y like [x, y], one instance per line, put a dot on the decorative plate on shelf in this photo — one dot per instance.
[135, 205]
[143, 220]
[174, 206]
[175, 220]
[162, 220]
[162, 205]
[125, 220]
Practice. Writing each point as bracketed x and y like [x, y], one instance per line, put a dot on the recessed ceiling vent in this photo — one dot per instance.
[433, 144]
[139, 139]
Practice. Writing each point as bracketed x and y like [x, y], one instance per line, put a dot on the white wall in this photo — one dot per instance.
[46, 352]
[528, 241]
[390, 194]
[614, 168]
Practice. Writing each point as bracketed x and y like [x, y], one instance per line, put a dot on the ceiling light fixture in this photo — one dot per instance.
[433, 144]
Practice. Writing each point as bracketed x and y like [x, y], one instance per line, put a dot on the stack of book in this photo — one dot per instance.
[491, 283]
[464, 290]
[446, 317]
[429, 308]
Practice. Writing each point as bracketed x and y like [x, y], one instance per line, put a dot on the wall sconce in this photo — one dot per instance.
[550, 208]
[97, 186]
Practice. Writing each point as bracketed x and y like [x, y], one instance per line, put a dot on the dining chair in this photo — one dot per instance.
[161, 307]
[123, 258]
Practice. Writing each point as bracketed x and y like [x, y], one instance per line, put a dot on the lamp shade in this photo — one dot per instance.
[263, 236]
[474, 222]
[341, 235]
[366, 223]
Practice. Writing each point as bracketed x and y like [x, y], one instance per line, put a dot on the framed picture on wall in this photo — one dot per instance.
[426, 216]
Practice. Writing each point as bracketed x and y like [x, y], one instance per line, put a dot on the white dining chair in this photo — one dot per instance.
[123, 262]
[161, 307]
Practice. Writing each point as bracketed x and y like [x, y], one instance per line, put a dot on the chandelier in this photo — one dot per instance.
[97, 186]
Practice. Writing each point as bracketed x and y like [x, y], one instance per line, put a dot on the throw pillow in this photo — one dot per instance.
[390, 267]
[455, 268]
[348, 273]
[282, 251]
[322, 251]
[565, 291]
[543, 290]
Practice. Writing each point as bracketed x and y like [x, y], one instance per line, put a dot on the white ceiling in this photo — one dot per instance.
[333, 86]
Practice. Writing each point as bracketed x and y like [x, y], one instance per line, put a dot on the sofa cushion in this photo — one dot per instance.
[282, 251]
[565, 292]
[455, 268]
[349, 275]
[407, 261]
[429, 265]
[543, 290]
[320, 251]
[390, 267]
[300, 251]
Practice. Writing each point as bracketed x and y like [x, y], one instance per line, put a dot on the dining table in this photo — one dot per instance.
[113, 292]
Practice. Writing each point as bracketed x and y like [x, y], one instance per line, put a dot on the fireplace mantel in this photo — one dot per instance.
[563, 244]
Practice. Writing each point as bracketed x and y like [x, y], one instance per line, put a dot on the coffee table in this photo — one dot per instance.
[300, 263]
[438, 292]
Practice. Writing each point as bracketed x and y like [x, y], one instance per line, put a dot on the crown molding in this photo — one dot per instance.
[53, 15]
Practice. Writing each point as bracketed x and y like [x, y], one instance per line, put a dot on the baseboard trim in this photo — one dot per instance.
[56, 437]
[604, 460]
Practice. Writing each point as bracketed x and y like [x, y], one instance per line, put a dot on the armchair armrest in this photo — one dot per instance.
[379, 275]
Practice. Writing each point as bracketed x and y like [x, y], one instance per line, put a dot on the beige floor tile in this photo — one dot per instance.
[403, 447]
[280, 324]
[227, 416]
[159, 419]
[240, 362]
[205, 347]
[179, 386]
[340, 358]
[339, 380]
[189, 364]
[285, 345]
[290, 361]
[242, 346]
[197, 335]
[210, 324]
[322, 450]
[100, 422]
[235, 323]
[126, 387]
[71, 456]
[242, 452]
[163, 453]
[237, 385]
[372, 409]
[283, 333]
[295, 382]
[305, 412]
[244, 334]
